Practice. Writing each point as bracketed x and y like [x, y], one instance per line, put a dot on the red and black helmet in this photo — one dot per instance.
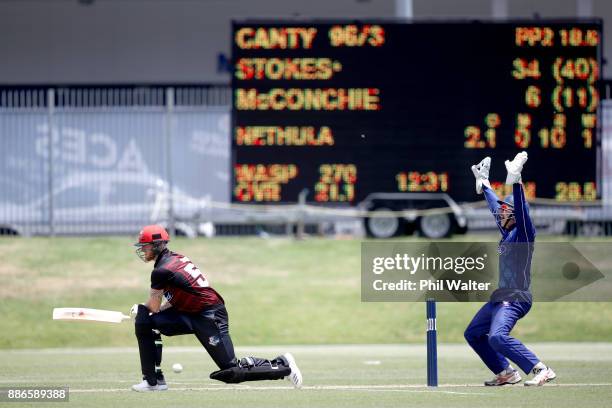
[154, 235]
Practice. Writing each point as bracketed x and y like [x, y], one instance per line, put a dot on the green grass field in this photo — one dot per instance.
[338, 376]
[277, 291]
[282, 295]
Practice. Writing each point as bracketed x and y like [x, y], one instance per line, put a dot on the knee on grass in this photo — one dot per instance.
[248, 369]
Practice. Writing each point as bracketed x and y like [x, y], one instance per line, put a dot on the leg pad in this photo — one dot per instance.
[252, 369]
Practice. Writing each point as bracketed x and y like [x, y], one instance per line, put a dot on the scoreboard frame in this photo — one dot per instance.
[417, 179]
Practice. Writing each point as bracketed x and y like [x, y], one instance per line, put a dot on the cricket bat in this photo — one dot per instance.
[80, 313]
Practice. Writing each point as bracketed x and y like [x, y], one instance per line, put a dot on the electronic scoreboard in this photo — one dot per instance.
[348, 108]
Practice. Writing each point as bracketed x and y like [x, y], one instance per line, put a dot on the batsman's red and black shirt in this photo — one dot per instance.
[183, 284]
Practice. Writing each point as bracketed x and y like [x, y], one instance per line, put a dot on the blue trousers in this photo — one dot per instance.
[489, 335]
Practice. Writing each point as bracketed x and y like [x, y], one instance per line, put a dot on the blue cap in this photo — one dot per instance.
[508, 200]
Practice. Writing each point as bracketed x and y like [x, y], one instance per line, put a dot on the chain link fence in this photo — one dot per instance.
[107, 160]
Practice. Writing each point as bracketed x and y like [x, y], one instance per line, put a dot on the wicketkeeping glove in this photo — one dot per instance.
[481, 173]
[515, 167]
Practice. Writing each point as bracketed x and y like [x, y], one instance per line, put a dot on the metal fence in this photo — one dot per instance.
[80, 160]
[104, 160]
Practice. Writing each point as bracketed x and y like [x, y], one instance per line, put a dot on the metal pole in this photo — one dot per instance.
[169, 137]
[301, 213]
[584, 8]
[403, 8]
[50, 113]
[605, 180]
[499, 8]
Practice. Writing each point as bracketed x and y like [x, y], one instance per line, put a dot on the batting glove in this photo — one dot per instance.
[134, 311]
[515, 167]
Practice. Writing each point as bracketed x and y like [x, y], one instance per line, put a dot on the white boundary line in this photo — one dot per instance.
[365, 388]
[395, 388]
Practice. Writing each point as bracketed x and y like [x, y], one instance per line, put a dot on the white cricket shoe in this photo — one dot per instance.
[541, 376]
[296, 375]
[144, 386]
[481, 173]
[161, 384]
[504, 378]
[515, 167]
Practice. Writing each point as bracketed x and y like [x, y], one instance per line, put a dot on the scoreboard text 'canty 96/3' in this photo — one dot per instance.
[350, 108]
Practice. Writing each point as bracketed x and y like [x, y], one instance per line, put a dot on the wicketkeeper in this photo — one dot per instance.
[489, 331]
[191, 306]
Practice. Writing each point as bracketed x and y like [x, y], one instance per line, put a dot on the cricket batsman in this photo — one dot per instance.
[191, 306]
[489, 332]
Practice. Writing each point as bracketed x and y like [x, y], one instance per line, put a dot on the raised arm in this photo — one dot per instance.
[524, 226]
[492, 202]
[481, 173]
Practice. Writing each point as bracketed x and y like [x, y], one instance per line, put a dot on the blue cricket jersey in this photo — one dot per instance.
[515, 249]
